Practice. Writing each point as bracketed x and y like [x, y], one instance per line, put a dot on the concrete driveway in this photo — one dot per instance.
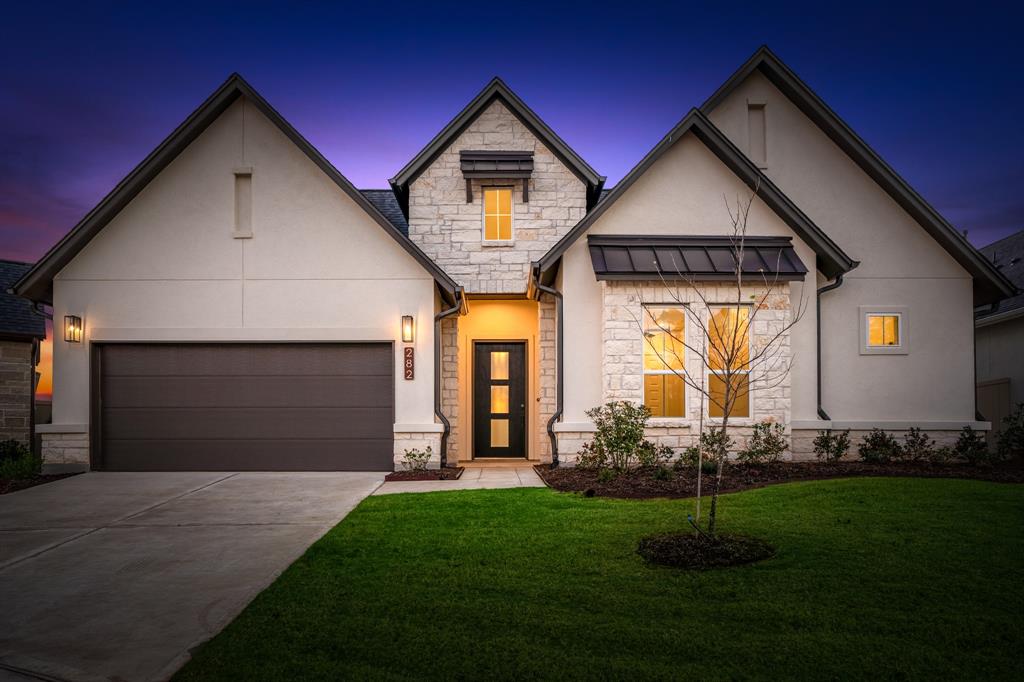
[119, 575]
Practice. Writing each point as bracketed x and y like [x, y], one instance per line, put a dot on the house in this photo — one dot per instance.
[22, 327]
[235, 303]
[999, 336]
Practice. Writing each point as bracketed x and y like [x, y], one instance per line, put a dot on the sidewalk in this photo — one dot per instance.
[472, 478]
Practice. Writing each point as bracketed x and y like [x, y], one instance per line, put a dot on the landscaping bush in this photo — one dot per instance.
[941, 455]
[917, 446]
[971, 447]
[879, 447]
[619, 441]
[17, 461]
[416, 460]
[831, 447]
[1011, 437]
[766, 444]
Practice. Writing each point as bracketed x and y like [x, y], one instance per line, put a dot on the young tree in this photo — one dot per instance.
[731, 364]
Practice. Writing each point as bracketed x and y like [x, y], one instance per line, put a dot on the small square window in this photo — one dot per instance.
[883, 330]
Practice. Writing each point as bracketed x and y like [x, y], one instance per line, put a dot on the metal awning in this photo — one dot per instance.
[490, 165]
[708, 259]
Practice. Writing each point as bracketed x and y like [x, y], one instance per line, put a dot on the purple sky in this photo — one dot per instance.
[86, 91]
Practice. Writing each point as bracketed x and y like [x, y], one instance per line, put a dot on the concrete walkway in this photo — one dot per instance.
[119, 575]
[472, 478]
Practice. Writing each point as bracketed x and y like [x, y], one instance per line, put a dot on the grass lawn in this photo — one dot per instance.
[874, 578]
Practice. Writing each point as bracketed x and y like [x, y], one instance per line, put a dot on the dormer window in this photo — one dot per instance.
[497, 214]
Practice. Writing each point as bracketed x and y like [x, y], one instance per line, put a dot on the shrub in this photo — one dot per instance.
[619, 438]
[917, 445]
[1011, 437]
[831, 447]
[879, 447]
[716, 446]
[941, 454]
[416, 460]
[662, 474]
[653, 455]
[606, 475]
[766, 444]
[971, 446]
[17, 461]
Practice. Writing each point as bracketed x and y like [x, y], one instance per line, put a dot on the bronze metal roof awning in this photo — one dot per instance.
[496, 165]
[707, 259]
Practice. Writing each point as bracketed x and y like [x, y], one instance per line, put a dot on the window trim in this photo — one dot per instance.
[662, 372]
[712, 307]
[903, 348]
[511, 215]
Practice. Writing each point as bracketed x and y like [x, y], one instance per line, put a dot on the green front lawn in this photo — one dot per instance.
[874, 578]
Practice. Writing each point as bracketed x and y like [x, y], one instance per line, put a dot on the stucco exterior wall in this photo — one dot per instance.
[450, 230]
[901, 265]
[317, 267]
[683, 193]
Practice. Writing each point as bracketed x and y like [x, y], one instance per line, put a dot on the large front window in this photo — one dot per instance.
[663, 361]
[729, 360]
[497, 214]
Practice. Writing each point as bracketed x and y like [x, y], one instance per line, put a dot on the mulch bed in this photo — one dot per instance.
[446, 474]
[13, 485]
[641, 483]
[699, 552]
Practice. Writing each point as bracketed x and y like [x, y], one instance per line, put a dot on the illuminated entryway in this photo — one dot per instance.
[504, 373]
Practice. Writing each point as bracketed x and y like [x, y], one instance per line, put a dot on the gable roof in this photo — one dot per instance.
[831, 260]
[18, 317]
[989, 284]
[1007, 255]
[496, 90]
[37, 284]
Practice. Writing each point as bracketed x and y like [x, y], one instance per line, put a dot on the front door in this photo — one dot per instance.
[499, 400]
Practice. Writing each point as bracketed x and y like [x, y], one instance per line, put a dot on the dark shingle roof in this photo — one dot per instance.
[1007, 255]
[17, 315]
[386, 202]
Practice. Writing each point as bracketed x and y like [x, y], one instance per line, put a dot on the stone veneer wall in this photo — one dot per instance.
[622, 372]
[450, 231]
[548, 390]
[64, 447]
[16, 379]
[450, 383]
[418, 440]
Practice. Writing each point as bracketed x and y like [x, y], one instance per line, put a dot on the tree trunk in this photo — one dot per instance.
[712, 515]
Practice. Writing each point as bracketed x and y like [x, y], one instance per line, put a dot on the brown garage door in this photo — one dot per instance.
[285, 407]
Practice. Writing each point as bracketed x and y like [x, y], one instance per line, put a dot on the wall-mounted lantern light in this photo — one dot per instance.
[408, 327]
[73, 329]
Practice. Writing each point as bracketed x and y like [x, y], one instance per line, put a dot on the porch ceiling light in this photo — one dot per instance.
[408, 328]
[73, 329]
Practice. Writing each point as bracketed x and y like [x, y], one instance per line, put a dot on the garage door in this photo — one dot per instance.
[284, 407]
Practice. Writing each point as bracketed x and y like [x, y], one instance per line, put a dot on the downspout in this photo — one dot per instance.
[447, 427]
[828, 287]
[559, 381]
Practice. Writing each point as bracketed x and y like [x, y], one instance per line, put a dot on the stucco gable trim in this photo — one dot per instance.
[496, 90]
[37, 283]
[989, 284]
[831, 260]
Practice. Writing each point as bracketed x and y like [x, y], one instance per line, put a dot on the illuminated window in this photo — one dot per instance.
[664, 390]
[729, 358]
[497, 214]
[883, 330]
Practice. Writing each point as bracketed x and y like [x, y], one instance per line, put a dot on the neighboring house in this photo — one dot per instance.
[999, 336]
[240, 305]
[21, 330]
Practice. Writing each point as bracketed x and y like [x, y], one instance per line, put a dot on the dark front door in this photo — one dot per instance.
[499, 400]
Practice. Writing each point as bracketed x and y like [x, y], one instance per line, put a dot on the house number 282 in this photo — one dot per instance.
[409, 362]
